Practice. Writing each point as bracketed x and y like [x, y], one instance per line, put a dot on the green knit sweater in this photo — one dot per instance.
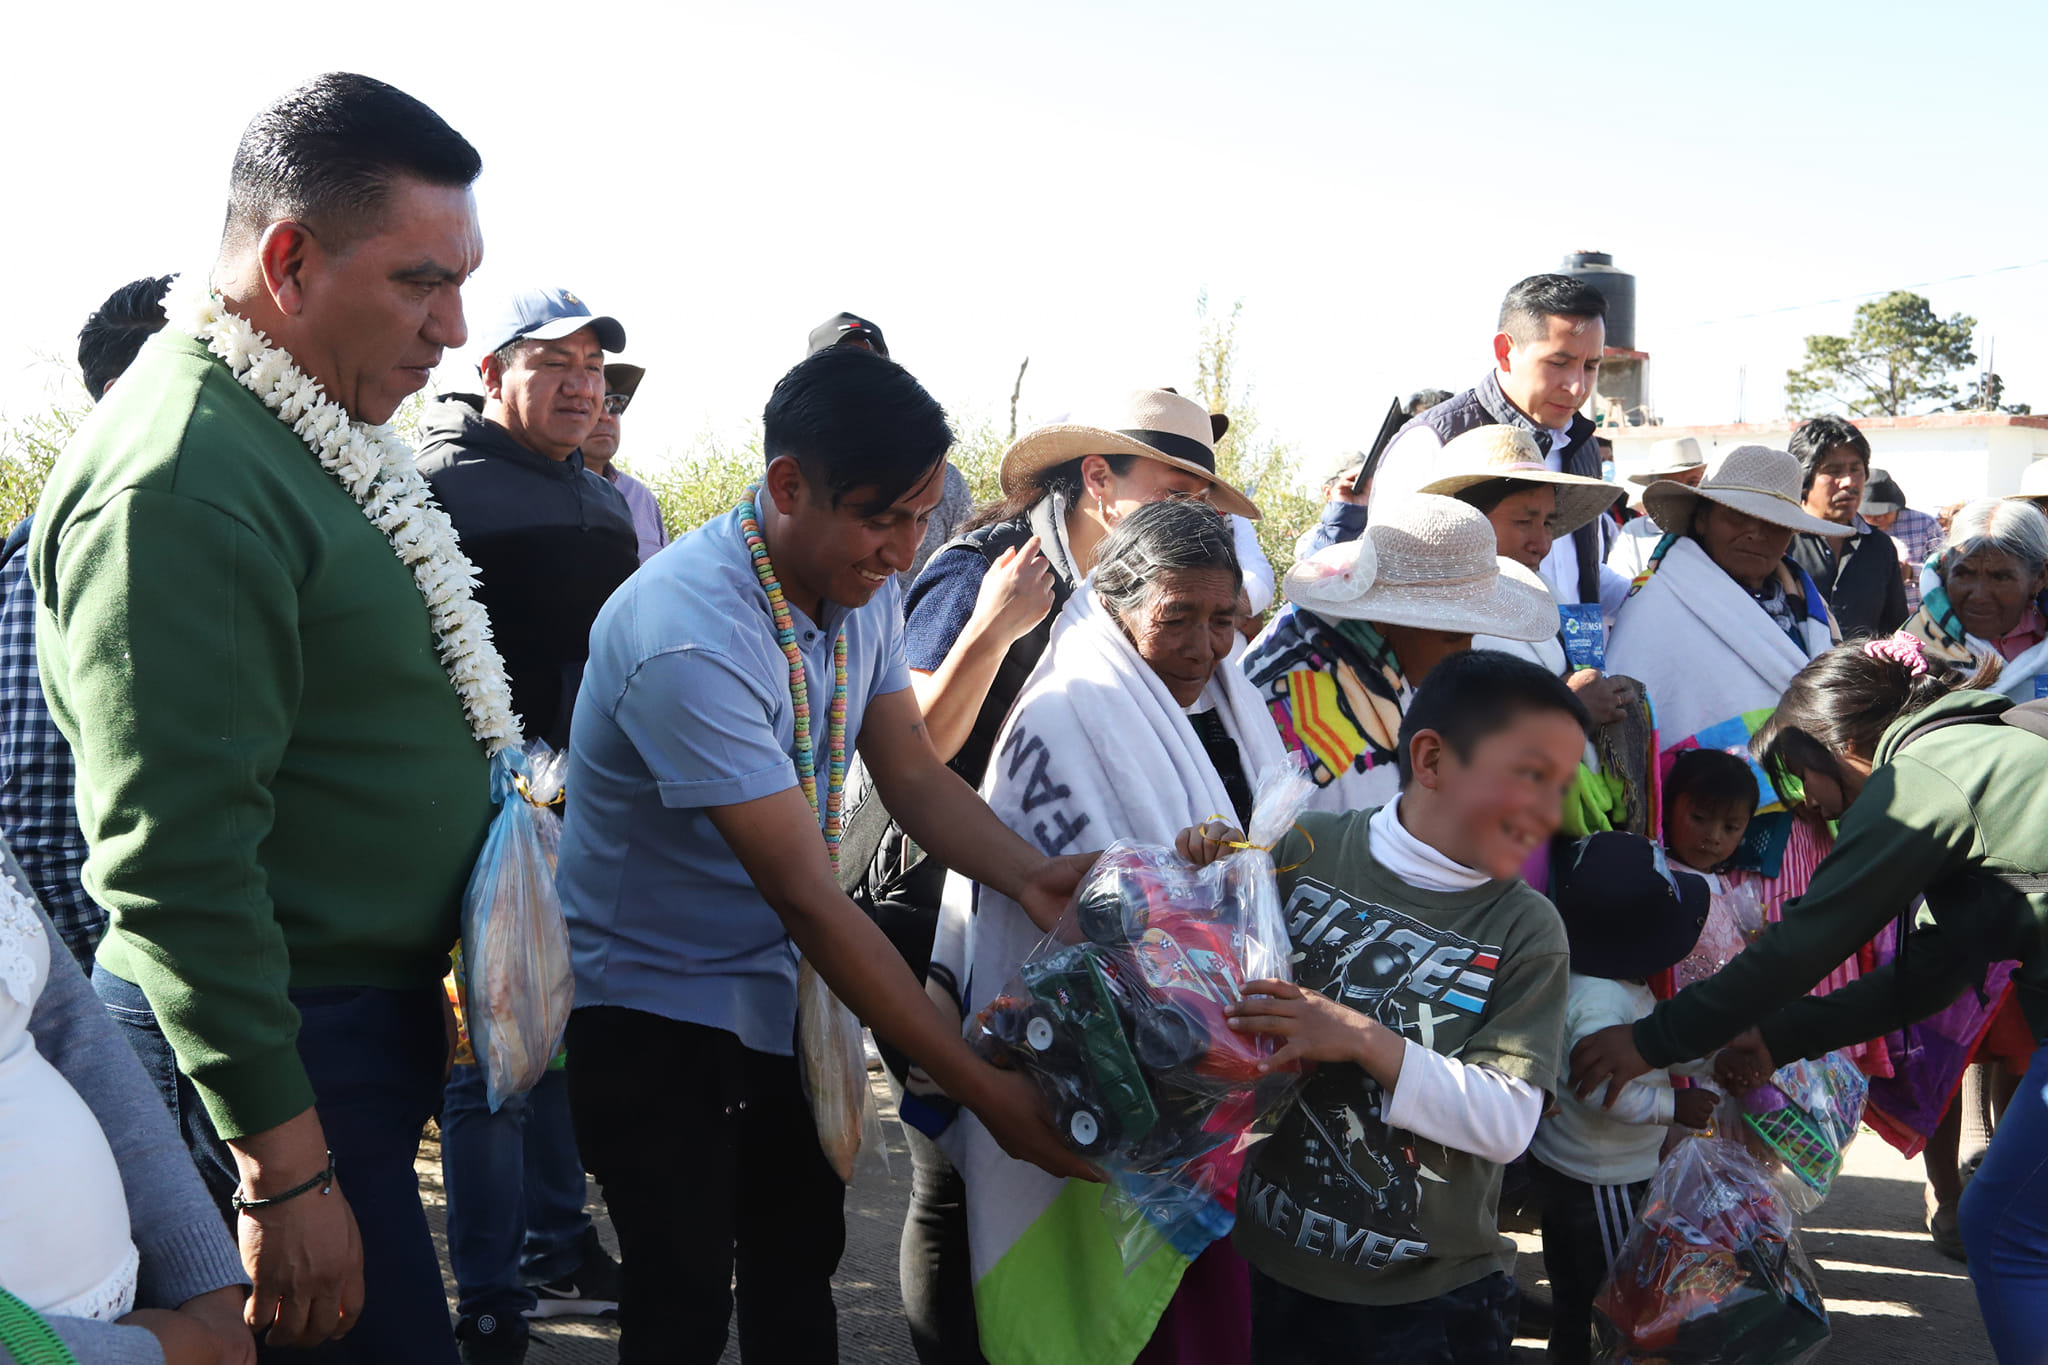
[276, 780]
[1957, 806]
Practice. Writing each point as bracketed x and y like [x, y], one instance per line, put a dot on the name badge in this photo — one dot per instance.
[2040, 686]
[1585, 638]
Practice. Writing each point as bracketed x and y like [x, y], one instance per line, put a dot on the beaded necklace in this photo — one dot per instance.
[799, 686]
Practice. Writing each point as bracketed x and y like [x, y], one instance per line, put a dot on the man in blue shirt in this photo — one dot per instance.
[694, 869]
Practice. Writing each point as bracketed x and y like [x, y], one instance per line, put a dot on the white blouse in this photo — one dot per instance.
[65, 1248]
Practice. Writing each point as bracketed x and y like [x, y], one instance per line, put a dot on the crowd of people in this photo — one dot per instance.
[259, 658]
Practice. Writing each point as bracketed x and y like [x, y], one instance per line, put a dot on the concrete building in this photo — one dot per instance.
[1939, 459]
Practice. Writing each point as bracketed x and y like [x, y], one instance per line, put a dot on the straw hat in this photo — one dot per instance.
[1673, 455]
[1755, 480]
[1504, 452]
[1156, 424]
[1430, 564]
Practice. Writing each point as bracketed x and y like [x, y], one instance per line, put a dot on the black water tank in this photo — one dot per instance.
[1618, 287]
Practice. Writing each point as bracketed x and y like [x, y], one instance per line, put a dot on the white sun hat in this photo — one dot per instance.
[1672, 455]
[1431, 562]
[1497, 451]
[1755, 480]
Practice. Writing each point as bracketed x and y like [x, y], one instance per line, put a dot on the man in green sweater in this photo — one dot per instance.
[276, 778]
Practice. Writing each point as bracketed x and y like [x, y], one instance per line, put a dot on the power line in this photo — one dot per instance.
[1867, 294]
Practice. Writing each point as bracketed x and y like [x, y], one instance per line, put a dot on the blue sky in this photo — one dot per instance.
[1060, 180]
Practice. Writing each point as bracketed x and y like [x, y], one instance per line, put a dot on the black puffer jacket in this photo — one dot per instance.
[551, 541]
[1859, 577]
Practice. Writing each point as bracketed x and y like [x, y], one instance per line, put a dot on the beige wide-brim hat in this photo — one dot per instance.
[1155, 424]
[1430, 563]
[2034, 484]
[1673, 455]
[1503, 452]
[1756, 480]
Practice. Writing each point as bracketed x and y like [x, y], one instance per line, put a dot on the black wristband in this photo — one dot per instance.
[324, 1182]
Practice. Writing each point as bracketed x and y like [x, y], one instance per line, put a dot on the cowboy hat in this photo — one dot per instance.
[1154, 424]
[1429, 563]
[1673, 455]
[1486, 453]
[1755, 480]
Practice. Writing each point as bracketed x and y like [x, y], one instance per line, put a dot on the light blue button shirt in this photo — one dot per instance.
[685, 705]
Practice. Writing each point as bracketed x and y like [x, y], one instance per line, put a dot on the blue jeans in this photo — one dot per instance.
[375, 1058]
[499, 1245]
[2005, 1223]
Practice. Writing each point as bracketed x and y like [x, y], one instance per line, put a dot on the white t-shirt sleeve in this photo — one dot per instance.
[1472, 1108]
[1258, 571]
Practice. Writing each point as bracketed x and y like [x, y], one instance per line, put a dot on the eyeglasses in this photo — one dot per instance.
[615, 403]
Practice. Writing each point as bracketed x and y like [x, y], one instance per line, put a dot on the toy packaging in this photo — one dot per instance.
[1712, 1273]
[1805, 1115]
[1118, 1015]
[515, 948]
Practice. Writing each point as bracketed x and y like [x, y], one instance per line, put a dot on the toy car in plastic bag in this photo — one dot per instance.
[1712, 1273]
[1124, 1030]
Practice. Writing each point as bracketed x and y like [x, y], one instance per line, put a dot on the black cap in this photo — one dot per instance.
[1881, 494]
[1628, 913]
[845, 327]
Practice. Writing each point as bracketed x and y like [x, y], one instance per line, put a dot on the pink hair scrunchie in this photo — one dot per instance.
[1902, 649]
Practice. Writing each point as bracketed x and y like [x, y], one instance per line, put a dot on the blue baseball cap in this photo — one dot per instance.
[547, 315]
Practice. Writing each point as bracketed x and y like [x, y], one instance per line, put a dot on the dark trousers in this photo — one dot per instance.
[932, 1260]
[376, 1059]
[708, 1159]
[1583, 1229]
[1472, 1325]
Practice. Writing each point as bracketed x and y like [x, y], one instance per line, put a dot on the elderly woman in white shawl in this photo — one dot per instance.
[1135, 725]
[1721, 621]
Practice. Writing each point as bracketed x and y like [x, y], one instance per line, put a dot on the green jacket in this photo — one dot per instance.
[276, 780]
[1960, 805]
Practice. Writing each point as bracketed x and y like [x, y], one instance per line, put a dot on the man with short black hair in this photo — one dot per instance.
[116, 330]
[711, 738]
[282, 793]
[1546, 355]
[550, 539]
[1858, 576]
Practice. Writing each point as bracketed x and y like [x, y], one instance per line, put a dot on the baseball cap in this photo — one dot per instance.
[623, 379]
[840, 327]
[548, 315]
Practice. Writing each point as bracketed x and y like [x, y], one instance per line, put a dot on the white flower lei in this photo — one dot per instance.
[378, 470]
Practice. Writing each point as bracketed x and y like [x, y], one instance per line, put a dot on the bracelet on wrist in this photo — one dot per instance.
[324, 1182]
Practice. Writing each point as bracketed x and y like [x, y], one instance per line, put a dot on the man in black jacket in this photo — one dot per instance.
[1546, 354]
[550, 539]
[1859, 575]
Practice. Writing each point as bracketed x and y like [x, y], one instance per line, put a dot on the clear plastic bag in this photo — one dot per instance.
[1118, 1016]
[835, 1071]
[515, 947]
[546, 770]
[1805, 1117]
[1734, 921]
[1712, 1273]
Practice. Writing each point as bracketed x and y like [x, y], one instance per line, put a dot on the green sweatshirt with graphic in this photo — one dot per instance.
[276, 779]
[1943, 818]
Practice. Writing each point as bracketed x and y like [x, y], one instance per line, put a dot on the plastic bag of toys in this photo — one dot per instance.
[1118, 1015]
[515, 947]
[1712, 1273]
[1804, 1117]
